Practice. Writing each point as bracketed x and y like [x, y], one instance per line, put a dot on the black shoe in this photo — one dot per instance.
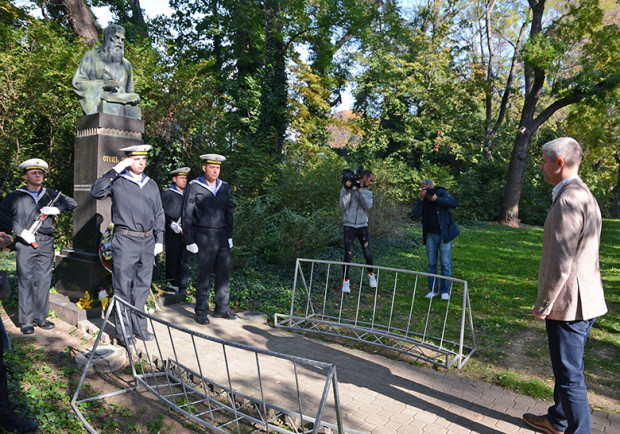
[45, 324]
[145, 336]
[226, 315]
[123, 343]
[11, 421]
[202, 321]
[27, 329]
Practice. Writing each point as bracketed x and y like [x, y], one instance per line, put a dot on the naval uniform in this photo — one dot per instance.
[34, 266]
[138, 219]
[208, 223]
[177, 257]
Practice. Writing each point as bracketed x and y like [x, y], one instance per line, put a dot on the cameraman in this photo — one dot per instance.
[438, 231]
[355, 201]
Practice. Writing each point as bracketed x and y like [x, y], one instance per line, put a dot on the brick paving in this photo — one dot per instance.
[379, 394]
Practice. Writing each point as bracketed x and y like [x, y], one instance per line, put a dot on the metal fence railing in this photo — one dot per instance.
[222, 385]
[396, 315]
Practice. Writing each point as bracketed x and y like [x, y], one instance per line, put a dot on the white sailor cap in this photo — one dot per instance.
[136, 150]
[213, 158]
[33, 163]
[180, 171]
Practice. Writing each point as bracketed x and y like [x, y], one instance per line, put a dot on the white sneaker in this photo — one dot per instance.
[372, 282]
[346, 286]
[432, 294]
[172, 288]
[445, 296]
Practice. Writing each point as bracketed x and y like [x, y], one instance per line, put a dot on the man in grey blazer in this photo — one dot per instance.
[570, 291]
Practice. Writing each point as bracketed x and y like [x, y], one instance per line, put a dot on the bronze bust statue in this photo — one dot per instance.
[104, 79]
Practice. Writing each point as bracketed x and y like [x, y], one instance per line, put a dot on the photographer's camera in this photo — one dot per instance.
[430, 192]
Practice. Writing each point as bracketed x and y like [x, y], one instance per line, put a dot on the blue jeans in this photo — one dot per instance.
[567, 339]
[435, 246]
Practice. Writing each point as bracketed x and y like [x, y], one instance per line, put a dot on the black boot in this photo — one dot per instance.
[11, 421]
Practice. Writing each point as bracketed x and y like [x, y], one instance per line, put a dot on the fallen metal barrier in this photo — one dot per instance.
[395, 315]
[214, 386]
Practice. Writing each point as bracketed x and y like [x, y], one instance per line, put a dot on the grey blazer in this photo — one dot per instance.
[569, 277]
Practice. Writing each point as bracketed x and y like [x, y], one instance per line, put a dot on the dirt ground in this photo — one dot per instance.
[146, 413]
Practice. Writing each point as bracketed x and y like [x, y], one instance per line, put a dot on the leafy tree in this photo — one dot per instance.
[128, 13]
[74, 14]
[573, 58]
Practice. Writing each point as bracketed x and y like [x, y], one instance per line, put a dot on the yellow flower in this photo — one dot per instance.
[85, 302]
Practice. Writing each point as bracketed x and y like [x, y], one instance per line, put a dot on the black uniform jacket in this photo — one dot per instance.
[21, 210]
[172, 201]
[202, 209]
[136, 206]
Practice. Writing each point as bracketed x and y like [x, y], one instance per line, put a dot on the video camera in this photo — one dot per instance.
[351, 177]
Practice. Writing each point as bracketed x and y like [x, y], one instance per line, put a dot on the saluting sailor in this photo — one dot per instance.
[208, 230]
[138, 218]
[35, 251]
[177, 257]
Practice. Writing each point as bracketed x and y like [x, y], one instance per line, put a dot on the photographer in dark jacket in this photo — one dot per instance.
[438, 231]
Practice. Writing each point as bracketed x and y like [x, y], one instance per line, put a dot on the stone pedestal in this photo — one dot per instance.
[99, 139]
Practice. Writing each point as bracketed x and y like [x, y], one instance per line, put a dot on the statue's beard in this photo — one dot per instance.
[113, 54]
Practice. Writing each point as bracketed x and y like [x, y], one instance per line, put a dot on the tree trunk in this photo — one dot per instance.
[273, 119]
[136, 16]
[534, 81]
[82, 20]
[514, 180]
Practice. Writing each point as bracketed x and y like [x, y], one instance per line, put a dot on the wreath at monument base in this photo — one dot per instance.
[105, 248]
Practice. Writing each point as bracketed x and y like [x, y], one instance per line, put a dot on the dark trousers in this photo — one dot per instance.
[363, 235]
[177, 260]
[567, 339]
[34, 277]
[132, 270]
[4, 390]
[213, 257]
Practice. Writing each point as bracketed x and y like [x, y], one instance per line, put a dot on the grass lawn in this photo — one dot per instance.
[501, 266]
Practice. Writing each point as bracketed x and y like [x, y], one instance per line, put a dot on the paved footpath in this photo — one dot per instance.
[381, 395]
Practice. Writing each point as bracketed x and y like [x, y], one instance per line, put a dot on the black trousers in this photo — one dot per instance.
[363, 235]
[213, 258]
[4, 345]
[177, 260]
[132, 270]
[34, 277]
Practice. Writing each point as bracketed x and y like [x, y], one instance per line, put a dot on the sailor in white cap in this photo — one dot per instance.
[35, 244]
[208, 229]
[177, 257]
[138, 218]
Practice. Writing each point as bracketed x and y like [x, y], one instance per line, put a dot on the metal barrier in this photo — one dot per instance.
[219, 386]
[395, 315]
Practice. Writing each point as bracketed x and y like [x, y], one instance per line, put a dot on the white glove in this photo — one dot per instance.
[124, 164]
[27, 236]
[192, 248]
[176, 227]
[159, 247]
[230, 243]
[50, 210]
